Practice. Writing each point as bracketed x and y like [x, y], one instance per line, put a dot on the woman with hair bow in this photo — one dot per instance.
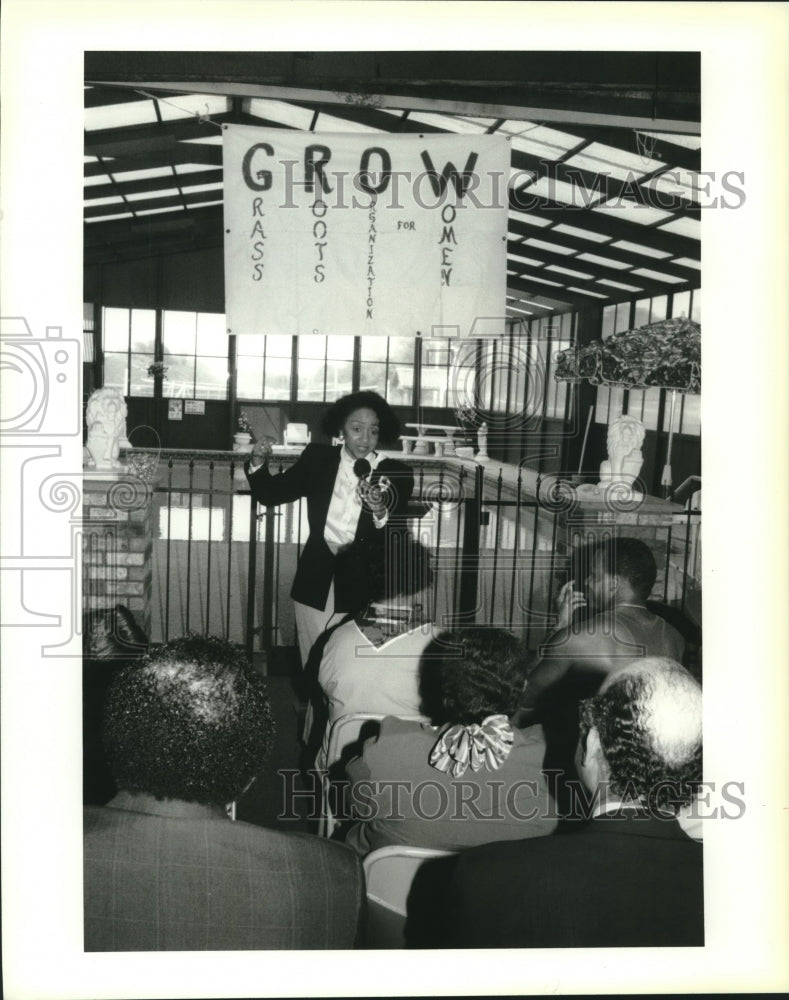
[470, 777]
[355, 498]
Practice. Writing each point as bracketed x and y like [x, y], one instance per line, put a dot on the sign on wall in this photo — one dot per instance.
[359, 235]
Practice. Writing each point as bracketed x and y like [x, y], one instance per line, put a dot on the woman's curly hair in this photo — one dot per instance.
[388, 424]
[468, 674]
[649, 722]
[191, 721]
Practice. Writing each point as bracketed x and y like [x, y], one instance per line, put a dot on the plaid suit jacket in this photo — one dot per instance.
[178, 876]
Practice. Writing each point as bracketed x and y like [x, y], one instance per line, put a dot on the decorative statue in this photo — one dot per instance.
[625, 437]
[482, 443]
[105, 417]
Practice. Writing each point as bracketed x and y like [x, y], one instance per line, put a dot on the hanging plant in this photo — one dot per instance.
[157, 369]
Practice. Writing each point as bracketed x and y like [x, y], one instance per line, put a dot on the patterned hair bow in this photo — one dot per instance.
[487, 745]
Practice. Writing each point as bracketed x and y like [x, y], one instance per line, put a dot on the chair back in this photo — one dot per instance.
[344, 733]
[296, 434]
[389, 874]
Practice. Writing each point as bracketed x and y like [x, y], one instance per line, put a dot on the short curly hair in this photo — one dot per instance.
[631, 559]
[467, 674]
[648, 717]
[388, 424]
[190, 721]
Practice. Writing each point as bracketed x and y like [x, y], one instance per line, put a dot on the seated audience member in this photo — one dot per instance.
[111, 639]
[622, 573]
[577, 657]
[186, 730]
[370, 663]
[630, 876]
[471, 777]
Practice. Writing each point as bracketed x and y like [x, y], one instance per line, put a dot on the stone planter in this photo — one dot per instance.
[242, 442]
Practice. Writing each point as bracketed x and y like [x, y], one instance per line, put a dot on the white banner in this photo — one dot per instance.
[364, 234]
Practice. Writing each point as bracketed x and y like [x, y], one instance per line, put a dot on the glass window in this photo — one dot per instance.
[641, 317]
[437, 358]
[195, 355]
[129, 338]
[695, 307]
[325, 367]
[681, 305]
[263, 365]
[387, 366]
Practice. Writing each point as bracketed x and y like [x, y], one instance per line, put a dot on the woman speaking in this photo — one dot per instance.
[356, 500]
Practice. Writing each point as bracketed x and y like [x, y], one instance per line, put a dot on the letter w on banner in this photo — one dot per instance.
[363, 235]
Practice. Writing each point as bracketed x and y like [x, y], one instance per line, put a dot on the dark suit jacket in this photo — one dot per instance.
[312, 476]
[628, 880]
[177, 876]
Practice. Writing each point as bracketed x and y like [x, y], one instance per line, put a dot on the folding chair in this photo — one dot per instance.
[344, 733]
[389, 873]
[296, 434]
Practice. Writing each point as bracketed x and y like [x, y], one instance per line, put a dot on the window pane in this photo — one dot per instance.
[373, 348]
[623, 316]
[436, 353]
[141, 382]
[116, 330]
[180, 376]
[312, 347]
[338, 379]
[676, 398]
[250, 345]
[650, 411]
[211, 335]
[340, 348]
[401, 349]
[211, 378]
[680, 305]
[615, 407]
[695, 309]
[609, 319]
[434, 387]
[372, 375]
[249, 384]
[143, 330]
[179, 329]
[279, 346]
[115, 371]
[642, 314]
[310, 377]
[400, 385]
[659, 308]
[277, 379]
[601, 409]
[691, 415]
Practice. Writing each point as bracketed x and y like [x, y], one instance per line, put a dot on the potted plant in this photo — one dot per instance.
[243, 438]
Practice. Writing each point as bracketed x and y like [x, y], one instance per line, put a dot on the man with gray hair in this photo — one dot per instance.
[630, 876]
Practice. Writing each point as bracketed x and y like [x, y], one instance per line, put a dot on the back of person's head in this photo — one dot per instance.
[631, 560]
[190, 721]
[648, 716]
[113, 634]
[404, 570]
[468, 674]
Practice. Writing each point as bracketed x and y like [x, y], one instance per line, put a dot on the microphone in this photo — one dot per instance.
[362, 468]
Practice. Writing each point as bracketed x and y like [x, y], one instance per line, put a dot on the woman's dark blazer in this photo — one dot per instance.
[312, 476]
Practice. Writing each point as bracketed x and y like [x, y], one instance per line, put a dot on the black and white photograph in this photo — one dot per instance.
[354, 544]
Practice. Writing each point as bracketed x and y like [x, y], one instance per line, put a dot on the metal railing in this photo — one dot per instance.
[223, 565]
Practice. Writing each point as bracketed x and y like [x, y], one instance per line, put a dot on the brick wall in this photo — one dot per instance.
[117, 544]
